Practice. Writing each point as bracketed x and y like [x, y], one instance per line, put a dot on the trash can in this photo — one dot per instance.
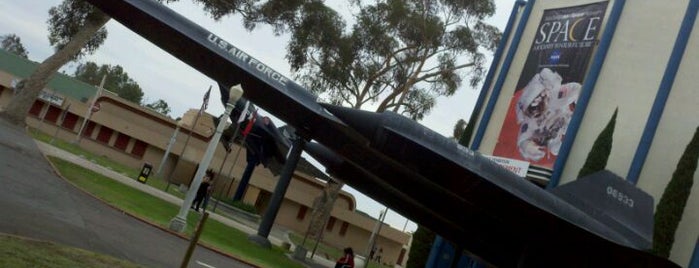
[145, 172]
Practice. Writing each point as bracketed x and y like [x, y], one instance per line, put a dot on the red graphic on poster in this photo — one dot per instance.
[548, 88]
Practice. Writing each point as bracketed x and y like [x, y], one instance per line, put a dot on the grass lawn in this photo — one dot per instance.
[154, 181]
[157, 211]
[20, 252]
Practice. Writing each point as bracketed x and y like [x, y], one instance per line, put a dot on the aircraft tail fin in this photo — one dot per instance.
[614, 202]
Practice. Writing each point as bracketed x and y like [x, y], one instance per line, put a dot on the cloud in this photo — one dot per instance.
[28, 21]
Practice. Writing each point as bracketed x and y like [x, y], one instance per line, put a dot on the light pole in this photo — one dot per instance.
[179, 222]
[173, 139]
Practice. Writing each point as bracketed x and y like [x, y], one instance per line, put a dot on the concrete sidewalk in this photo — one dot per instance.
[277, 235]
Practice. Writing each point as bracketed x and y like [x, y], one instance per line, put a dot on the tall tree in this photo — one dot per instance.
[161, 106]
[13, 44]
[668, 213]
[399, 55]
[599, 153]
[118, 81]
[75, 29]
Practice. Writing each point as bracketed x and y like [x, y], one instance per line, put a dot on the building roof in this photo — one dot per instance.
[64, 84]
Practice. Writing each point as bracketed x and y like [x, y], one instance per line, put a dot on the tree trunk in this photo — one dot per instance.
[322, 207]
[16, 111]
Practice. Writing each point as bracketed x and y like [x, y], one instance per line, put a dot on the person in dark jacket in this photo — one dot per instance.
[204, 190]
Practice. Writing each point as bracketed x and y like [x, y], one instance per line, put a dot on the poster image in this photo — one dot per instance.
[549, 85]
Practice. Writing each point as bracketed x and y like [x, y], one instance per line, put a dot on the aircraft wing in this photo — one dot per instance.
[498, 218]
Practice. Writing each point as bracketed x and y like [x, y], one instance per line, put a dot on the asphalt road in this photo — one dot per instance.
[36, 203]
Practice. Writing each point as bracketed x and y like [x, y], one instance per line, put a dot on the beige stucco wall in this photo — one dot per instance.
[629, 79]
[677, 125]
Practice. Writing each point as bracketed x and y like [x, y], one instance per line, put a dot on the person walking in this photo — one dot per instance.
[203, 191]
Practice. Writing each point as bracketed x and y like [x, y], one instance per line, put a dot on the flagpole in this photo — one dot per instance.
[173, 140]
[235, 161]
[89, 110]
[243, 114]
[186, 141]
[220, 168]
[248, 169]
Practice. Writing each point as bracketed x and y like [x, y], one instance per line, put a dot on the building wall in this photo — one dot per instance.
[677, 125]
[629, 80]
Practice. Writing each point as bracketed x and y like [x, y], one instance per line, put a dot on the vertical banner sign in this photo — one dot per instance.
[548, 88]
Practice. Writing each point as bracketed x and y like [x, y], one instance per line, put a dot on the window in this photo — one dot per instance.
[122, 141]
[89, 128]
[70, 121]
[52, 114]
[331, 224]
[36, 108]
[302, 212]
[343, 228]
[139, 148]
[105, 134]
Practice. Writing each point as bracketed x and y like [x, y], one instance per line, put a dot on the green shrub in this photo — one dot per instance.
[669, 211]
[599, 153]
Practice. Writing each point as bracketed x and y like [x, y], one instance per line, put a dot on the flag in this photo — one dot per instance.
[251, 122]
[205, 104]
[244, 112]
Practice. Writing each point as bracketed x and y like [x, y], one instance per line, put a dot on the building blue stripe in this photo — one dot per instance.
[432, 259]
[661, 97]
[586, 92]
[501, 77]
[694, 262]
[496, 60]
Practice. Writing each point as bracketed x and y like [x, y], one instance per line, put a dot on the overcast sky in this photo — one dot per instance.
[162, 76]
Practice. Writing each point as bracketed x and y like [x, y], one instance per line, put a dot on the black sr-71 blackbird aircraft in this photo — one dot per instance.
[496, 217]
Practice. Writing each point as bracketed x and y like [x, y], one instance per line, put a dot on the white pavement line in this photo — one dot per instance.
[205, 265]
